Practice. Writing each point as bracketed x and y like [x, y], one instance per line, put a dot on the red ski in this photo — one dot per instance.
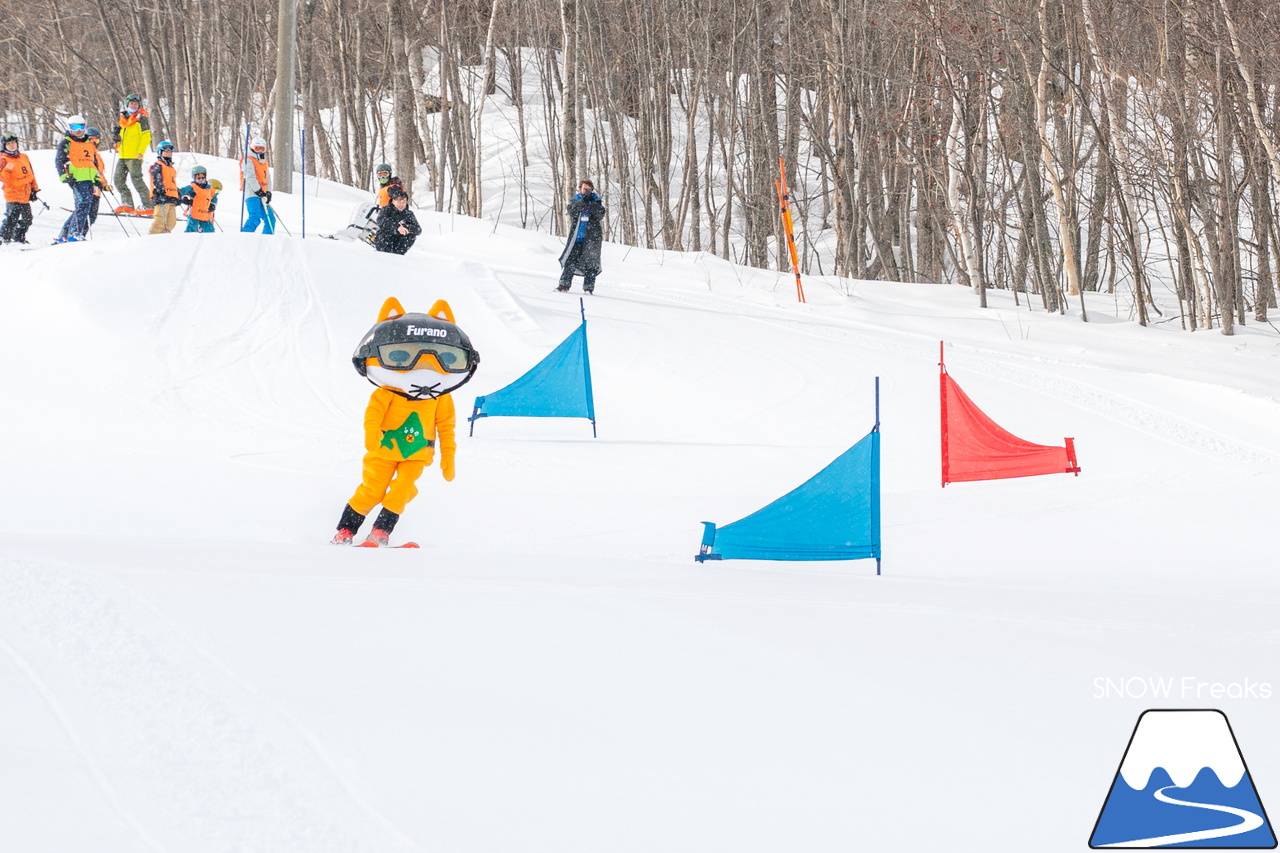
[376, 545]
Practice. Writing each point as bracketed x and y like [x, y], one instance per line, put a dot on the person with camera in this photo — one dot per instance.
[581, 255]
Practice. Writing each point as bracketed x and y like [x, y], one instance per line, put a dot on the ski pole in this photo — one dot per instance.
[118, 219]
[276, 217]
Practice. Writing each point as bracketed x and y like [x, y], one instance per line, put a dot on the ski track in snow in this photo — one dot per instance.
[1179, 429]
[77, 742]
[190, 755]
[1030, 372]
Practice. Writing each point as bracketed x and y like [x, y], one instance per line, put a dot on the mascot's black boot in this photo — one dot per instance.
[348, 525]
[382, 527]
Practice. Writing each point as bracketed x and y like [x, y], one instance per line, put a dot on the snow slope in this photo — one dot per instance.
[185, 665]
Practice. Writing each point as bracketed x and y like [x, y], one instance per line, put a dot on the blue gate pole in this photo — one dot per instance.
[303, 170]
[586, 366]
[243, 154]
[875, 498]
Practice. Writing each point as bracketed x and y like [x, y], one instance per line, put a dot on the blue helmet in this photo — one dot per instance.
[165, 145]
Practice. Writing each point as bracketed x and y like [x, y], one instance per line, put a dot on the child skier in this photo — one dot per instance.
[201, 200]
[77, 165]
[164, 190]
[20, 190]
[386, 181]
[254, 181]
[416, 360]
[95, 136]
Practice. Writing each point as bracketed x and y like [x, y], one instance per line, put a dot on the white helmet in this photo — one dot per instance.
[75, 119]
[258, 142]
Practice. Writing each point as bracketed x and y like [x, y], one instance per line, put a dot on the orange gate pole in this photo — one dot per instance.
[784, 201]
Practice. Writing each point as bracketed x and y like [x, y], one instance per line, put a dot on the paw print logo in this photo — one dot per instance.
[407, 437]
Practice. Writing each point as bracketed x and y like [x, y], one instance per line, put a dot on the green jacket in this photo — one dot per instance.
[77, 159]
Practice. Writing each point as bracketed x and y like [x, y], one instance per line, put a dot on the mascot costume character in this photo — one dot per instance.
[415, 360]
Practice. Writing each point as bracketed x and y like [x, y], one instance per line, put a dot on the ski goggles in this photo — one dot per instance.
[79, 127]
[406, 356]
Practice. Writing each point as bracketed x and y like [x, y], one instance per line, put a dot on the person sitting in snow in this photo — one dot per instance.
[581, 255]
[415, 360]
[398, 228]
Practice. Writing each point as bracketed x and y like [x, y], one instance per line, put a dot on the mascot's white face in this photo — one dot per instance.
[419, 356]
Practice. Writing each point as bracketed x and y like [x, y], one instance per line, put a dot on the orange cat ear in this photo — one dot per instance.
[391, 309]
[441, 311]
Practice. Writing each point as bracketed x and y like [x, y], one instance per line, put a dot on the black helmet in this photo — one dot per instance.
[7, 138]
[400, 343]
[93, 133]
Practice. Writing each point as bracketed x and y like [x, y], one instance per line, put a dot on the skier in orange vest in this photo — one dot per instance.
[164, 190]
[77, 165]
[20, 190]
[254, 181]
[201, 199]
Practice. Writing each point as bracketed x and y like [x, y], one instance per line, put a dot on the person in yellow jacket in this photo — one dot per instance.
[415, 360]
[132, 137]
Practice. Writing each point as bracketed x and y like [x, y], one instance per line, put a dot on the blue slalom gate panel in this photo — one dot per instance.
[834, 515]
[559, 386]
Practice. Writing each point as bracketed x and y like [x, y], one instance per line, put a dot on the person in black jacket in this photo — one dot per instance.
[581, 255]
[397, 226]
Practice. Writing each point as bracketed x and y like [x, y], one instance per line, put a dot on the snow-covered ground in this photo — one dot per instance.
[186, 665]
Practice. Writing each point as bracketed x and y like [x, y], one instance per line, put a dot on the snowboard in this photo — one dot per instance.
[363, 225]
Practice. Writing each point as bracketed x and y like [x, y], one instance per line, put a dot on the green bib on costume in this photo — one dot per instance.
[407, 438]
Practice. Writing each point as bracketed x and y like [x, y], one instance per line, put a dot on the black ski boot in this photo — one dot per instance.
[382, 527]
[347, 526]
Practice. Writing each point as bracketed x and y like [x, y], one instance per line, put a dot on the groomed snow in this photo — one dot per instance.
[186, 665]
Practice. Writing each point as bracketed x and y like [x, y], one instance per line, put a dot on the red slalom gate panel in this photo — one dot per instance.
[974, 447]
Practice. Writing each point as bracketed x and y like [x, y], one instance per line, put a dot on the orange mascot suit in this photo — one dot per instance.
[415, 360]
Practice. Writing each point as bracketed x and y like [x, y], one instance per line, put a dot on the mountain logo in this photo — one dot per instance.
[1183, 783]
